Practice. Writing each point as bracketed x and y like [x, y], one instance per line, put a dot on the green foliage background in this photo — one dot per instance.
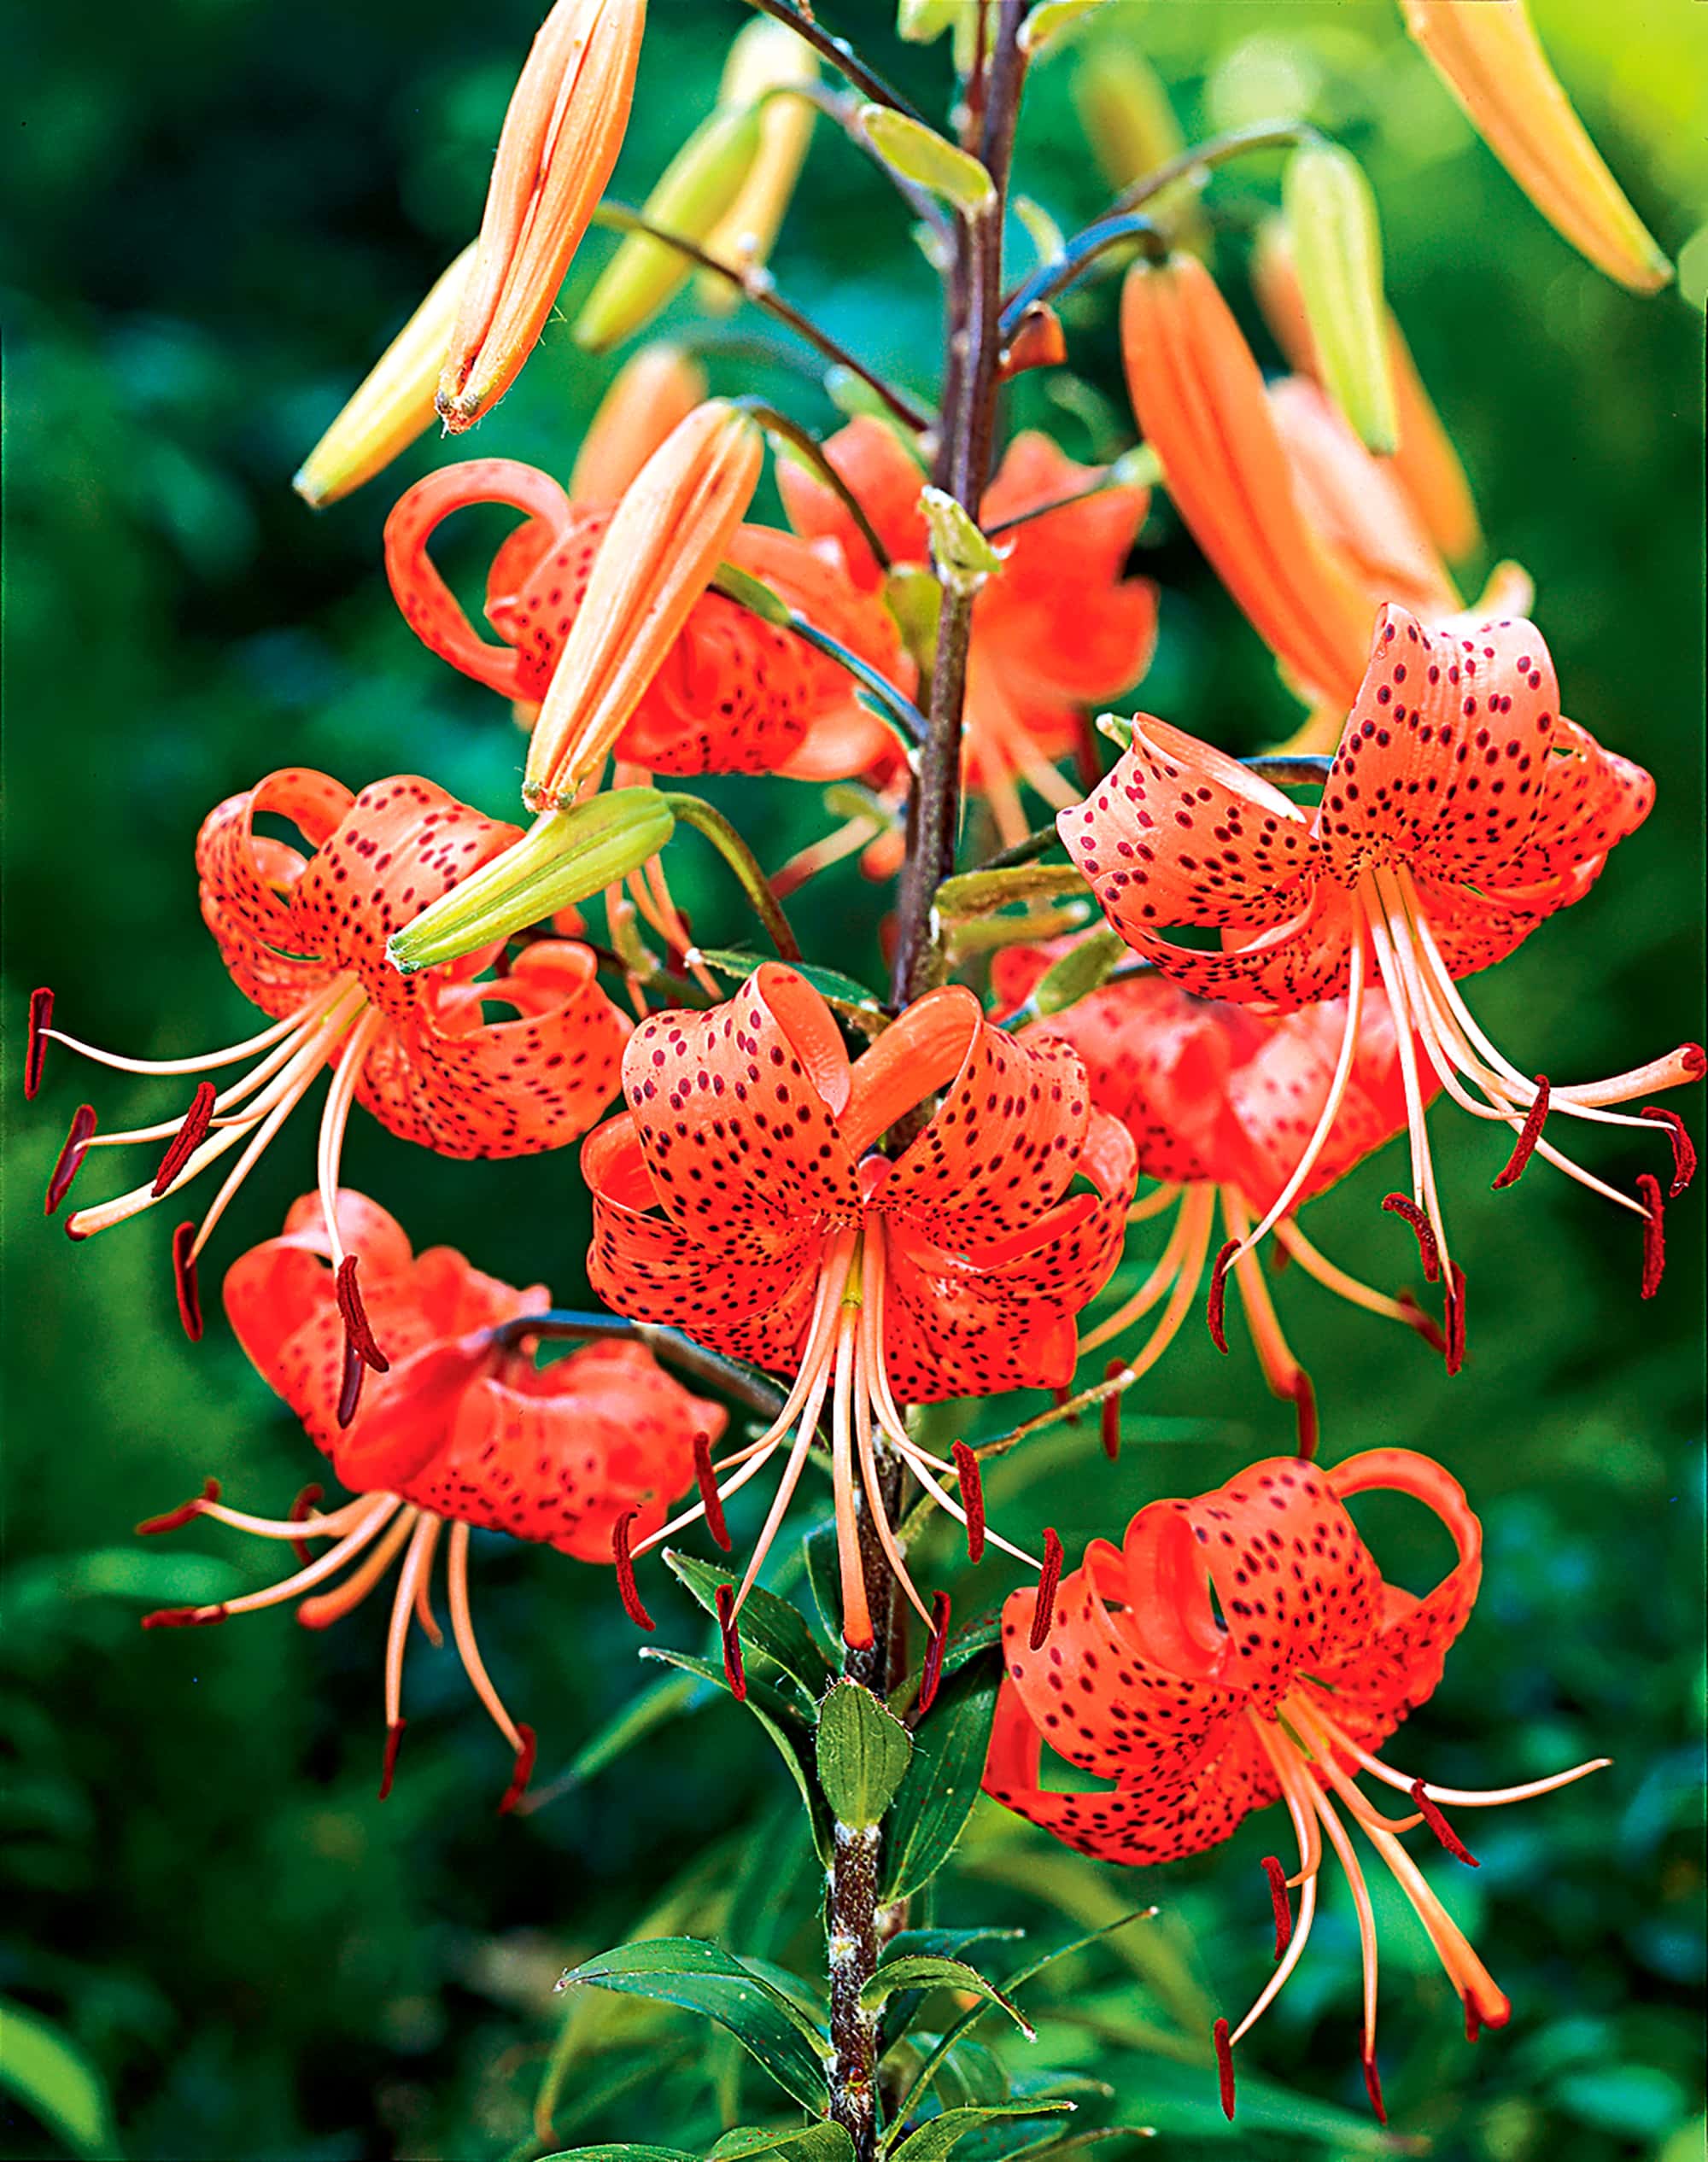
[219, 211]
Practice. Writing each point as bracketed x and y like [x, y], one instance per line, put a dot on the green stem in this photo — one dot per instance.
[811, 453]
[840, 53]
[694, 810]
[561, 1324]
[899, 713]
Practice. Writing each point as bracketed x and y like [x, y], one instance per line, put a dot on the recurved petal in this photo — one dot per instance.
[248, 881]
[1592, 799]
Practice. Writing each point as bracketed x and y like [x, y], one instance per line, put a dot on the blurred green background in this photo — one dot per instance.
[218, 213]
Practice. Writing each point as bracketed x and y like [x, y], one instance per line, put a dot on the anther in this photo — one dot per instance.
[1402, 1206]
[356, 1327]
[184, 1280]
[350, 1388]
[932, 1672]
[175, 1519]
[1373, 2081]
[628, 1590]
[36, 1050]
[1473, 2021]
[710, 1500]
[188, 1138]
[1284, 1906]
[1425, 1325]
[1305, 1405]
[1224, 2066]
[71, 1155]
[1442, 1830]
[309, 1500]
[184, 1617]
[972, 1498]
[1456, 1320]
[1654, 1232]
[1683, 1149]
[733, 1670]
[394, 1737]
[1111, 1411]
[1043, 1607]
[523, 1772]
[1216, 1313]
[1529, 1135]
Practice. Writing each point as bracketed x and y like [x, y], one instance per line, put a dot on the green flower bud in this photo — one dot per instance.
[1336, 245]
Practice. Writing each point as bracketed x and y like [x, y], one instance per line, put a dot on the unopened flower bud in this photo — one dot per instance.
[668, 534]
[1125, 112]
[560, 139]
[394, 405]
[1338, 254]
[765, 60]
[658, 386]
[697, 188]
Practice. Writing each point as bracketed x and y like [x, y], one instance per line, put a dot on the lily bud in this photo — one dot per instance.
[766, 57]
[394, 404]
[1488, 54]
[1199, 399]
[1337, 250]
[666, 539]
[697, 188]
[659, 386]
[1125, 110]
[565, 856]
[560, 139]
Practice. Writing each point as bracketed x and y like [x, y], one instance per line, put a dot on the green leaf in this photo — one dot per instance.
[964, 557]
[55, 2081]
[919, 154]
[980, 893]
[837, 990]
[931, 1971]
[781, 1722]
[769, 1624]
[862, 1753]
[703, 1977]
[1183, 2100]
[619, 2151]
[935, 1799]
[1051, 21]
[1079, 972]
[809, 2144]
[941, 2135]
[949, 1943]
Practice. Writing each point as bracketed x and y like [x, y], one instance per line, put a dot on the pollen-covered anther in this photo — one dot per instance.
[388, 1770]
[357, 1330]
[188, 1138]
[70, 1161]
[1442, 1830]
[1654, 1232]
[1529, 1135]
[711, 1500]
[971, 1500]
[1283, 1905]
[1372, 2082]
[1215, 1313]
[304, 1504]
[350, 1385]
[1044, 1609]
[734, 1674]
[1402, 1206]
[1425, 1325]
[184, 1280]
[931, 1672]
[1683, 1148]
[36, 1049]
[1304, 1397]
[175, 1519]
[1111, 1411]
[1224, 2066]
[628, 1591]
[523, 1771]
[1455, 1318]
[184, 1617]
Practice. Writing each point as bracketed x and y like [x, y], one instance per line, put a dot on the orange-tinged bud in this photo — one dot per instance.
[767, 56]
[394, 404]
[659, 386]
[1488, 54]
[560, 141]
[1199, 398]
[671, 529]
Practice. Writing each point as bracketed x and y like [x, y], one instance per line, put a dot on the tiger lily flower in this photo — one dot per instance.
[1057, 627]
[1220, 1101]
[462, 1433]
[1488, 55]
[302, 932]
[1461, 811]
[743, 1197]
[1240, 1649]
[560, 141]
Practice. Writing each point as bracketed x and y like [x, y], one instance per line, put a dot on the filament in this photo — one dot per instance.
[463, 1631]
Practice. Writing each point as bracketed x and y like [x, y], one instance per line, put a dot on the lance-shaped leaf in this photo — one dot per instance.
[807, 2143]
[1336, 241]
[703, 1977]
[932, 1970]
[919, 154]
[933, 1802]
[940, 2135]
[852, 999]
[862, 1754]
[619, 2151]
[769, 1624]
[781, 1722]
[981, 893]
[1081, 970]
[55, 2081]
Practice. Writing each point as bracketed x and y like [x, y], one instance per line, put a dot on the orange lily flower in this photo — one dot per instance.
[463, 1432]
[560, 143]
[743, 1197]
[1220, 1102]
[1195, 1721]
[1461, 811]
[1056, 629]
[302, 934]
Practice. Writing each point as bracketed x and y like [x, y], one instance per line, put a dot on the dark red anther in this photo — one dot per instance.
[185, 1617]
[309, 1499]
[355, 1319]
[1305, 1405]
[1402, 1205]
[628, 1590]
[1683, 1148]
[1061, 1397]
[972, 1498]
[393, 1739]
[1455, 1318]
[1284, 1906]
[184, 1280]
[1043, 1607]
[36, 1049]
[175, 1519]
[71, 1156]
[1373, 2081]
[733, 1672]
[1654, 1232]
[1529, 1135]
[1224, 2066]
[1110, 1410]
[1442, 1830]
[523, 1772]
[350, 1388]
[1473, 2021]
[932, 1672]
[188, 1138]
[1425, 1325]
[1695, 1060]
[1279, 1257]
[710, 1500]
[1216, 1313]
